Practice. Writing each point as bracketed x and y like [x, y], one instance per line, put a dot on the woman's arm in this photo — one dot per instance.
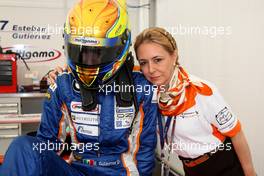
[242, 149]
[52, 74]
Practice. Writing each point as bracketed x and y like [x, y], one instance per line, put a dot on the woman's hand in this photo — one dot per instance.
[52, 75]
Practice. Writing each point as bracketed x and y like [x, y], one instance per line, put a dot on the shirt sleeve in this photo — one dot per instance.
[219, 114]
[52, 127]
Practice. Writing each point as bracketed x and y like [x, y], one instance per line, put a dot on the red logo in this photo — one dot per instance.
[33, 54]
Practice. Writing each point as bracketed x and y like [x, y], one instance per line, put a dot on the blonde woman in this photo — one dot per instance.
[196, 122]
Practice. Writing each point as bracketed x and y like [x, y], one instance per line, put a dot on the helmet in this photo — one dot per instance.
[97, 40]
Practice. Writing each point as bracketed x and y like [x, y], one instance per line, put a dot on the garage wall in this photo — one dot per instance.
[222, 41]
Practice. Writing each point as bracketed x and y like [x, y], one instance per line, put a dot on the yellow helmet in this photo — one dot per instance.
[97, 39]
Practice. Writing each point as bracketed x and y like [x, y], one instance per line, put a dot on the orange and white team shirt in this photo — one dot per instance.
[203, 127]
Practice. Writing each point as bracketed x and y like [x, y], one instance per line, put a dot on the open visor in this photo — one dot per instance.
[92, 56]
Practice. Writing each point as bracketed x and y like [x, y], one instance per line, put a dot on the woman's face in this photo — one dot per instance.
[156, 63]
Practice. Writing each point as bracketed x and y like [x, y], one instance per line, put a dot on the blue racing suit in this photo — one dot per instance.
[101, 142]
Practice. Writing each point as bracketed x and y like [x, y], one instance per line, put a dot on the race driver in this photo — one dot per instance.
[112, 132]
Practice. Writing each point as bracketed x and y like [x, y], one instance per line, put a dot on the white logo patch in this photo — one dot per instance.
[77, 107]
[123, 117]
[53, 87]
[88, 119]
[224, 116]
[87, 130]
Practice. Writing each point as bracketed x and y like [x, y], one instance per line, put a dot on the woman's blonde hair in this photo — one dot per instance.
[159, 36]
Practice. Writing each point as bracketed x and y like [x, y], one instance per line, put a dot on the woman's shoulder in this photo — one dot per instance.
[211, 85]
[214, 101]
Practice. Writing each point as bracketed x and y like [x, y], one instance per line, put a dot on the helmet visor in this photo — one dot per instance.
[93, 56]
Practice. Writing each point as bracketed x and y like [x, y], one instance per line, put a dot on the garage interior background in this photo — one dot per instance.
[220, 40]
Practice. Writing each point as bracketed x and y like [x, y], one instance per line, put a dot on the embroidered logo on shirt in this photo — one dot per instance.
[123, 117]
[87, 130]
[77, 107]
[79, 116]
[189, 114]
[88, 119]
[75, 86]
[53, 87]
[224, 116]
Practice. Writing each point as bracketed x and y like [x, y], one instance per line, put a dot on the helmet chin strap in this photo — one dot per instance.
[124, 98]
[89, 100]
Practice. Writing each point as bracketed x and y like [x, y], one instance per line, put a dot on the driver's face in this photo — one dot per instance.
[91, 58]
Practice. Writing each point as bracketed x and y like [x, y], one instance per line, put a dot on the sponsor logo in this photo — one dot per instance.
[123, 117]
[89, 41]
[89, 119]
[224, 116]
[82, 130]
[77, 107]
[33, 54]
[190, 114]
[53, 87]
[87, 130]
[124, 110]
